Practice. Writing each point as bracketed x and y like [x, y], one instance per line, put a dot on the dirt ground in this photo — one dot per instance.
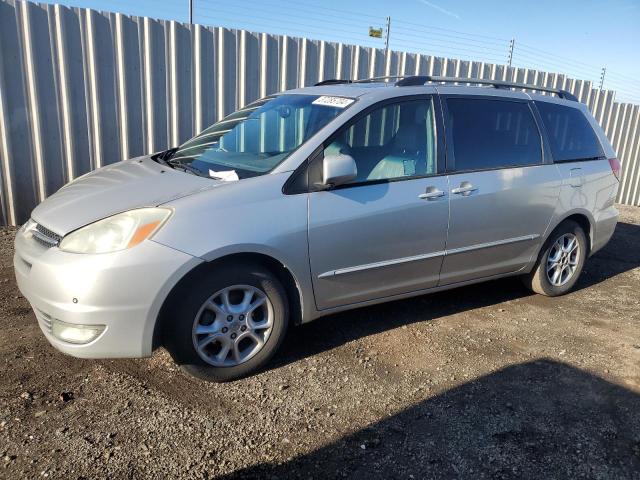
[487, 381]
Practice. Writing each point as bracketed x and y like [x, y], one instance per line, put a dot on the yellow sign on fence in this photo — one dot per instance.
[375, 32]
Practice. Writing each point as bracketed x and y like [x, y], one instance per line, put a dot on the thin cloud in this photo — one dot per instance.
[440, 9]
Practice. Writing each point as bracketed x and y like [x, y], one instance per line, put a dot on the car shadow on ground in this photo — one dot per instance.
[540, 419]
[618, 256]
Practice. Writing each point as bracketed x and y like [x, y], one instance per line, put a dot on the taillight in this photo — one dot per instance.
[615, 167]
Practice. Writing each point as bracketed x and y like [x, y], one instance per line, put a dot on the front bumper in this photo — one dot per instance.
[122, 290]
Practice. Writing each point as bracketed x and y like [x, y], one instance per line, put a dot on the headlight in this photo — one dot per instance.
[28, 226]
[119, 232]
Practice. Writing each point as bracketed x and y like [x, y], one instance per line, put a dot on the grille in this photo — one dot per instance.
[46, 237]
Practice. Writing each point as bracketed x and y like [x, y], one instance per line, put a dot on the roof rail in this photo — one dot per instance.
[414, 80]
[332, 81]
[337, 81]
[422, 79]
[378, 79]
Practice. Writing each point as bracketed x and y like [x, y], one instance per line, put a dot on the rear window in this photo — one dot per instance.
[487, 133]
[571, 136]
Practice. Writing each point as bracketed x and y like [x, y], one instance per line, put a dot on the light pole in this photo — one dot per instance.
[602, 73]
[511, 45]
[387, 33]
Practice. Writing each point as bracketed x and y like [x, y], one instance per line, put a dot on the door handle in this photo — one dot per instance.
[465, 189]
[431, 193]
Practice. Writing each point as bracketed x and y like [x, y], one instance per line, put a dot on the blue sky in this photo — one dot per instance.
[577, 37]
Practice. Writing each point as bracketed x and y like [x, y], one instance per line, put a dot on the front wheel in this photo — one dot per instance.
[560, 262]
[230, 323]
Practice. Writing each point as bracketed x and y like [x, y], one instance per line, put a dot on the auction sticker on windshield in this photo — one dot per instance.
[328, 101]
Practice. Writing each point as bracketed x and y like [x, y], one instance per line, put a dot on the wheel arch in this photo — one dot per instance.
[273, 265]
[586, 225]
[583, 219]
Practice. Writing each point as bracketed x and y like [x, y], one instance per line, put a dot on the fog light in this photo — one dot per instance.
[74, 333]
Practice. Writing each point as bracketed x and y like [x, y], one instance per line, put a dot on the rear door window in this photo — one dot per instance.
[571, 136]
[486, 134]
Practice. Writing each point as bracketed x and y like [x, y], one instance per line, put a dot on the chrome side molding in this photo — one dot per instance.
[384, 263]
[415, 258]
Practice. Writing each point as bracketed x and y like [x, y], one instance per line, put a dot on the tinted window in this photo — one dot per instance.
[492, 133]
[571, 137]
[393, 141]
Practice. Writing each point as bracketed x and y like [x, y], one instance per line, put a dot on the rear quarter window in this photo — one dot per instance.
[571, 136]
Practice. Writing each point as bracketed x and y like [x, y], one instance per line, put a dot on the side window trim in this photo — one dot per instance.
[439, 134]
[547, 157]
[450, 156]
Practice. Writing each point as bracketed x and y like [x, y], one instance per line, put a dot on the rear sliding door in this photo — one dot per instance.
[503, 189]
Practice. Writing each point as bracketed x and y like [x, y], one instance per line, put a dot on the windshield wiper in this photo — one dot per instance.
[163, 158]
[185, 167]
[166, 155]
[582, 159]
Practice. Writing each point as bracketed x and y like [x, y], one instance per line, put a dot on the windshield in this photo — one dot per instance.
[253, 140]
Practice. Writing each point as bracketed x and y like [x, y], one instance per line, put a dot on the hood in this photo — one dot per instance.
[136, 183]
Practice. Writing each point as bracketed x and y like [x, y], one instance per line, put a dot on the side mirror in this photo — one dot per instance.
[338, 169]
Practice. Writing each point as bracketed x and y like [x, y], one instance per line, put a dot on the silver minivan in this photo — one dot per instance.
[314, 201]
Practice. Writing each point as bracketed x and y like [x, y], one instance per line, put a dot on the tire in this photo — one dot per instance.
[196, 309]
[563, 274]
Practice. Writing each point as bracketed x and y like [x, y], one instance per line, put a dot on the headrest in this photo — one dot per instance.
[414, 114]
[411, 135]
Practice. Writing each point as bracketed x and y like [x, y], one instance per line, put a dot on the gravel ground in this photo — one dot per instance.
[487, 381]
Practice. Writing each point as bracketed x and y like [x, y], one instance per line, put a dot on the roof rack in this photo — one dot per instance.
[336, 81]
[422, 79]
[415, 80]
[332, 81]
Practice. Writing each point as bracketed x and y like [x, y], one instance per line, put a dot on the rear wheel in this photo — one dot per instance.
[560, 262]
[230, 323]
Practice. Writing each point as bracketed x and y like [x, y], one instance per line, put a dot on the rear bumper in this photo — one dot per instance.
[123, 291]
[604, 228]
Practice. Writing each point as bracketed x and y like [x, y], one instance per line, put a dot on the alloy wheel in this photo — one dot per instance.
[232, 325]
[562, 260]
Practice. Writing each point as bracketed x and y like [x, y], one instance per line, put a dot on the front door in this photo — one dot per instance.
[385, 232]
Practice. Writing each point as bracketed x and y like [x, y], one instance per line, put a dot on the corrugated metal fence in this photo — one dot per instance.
[80, 89]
